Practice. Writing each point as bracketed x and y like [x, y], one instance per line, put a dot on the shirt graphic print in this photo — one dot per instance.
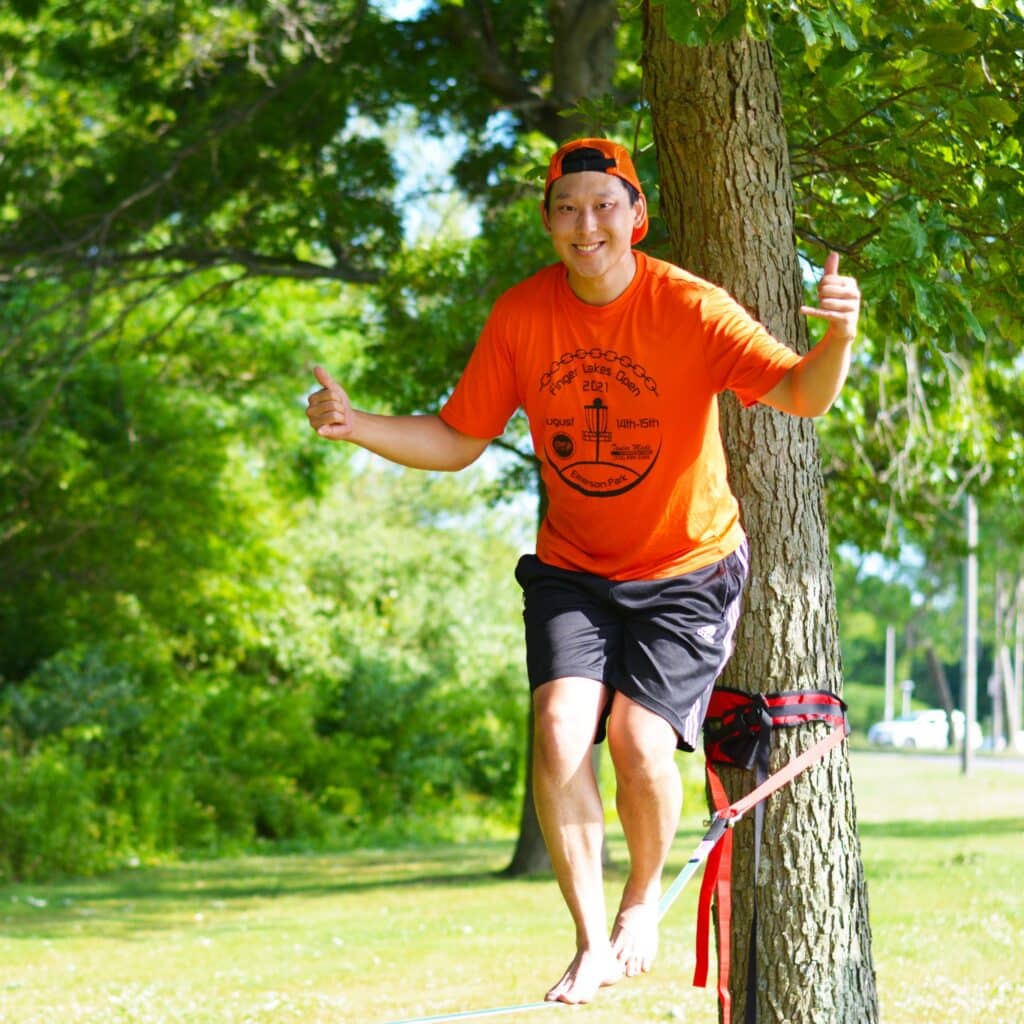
[596, 441]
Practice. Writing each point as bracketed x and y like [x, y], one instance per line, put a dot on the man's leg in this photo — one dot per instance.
[568, 800]
[649, 798]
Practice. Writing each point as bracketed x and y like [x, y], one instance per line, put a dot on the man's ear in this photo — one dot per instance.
[544, 216]
[639, 210]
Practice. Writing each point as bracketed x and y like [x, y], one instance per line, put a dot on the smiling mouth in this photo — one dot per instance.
[587, 249]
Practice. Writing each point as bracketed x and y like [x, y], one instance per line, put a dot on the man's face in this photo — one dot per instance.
[591, 223]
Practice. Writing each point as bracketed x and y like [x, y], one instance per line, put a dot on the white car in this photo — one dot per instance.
[923, 730]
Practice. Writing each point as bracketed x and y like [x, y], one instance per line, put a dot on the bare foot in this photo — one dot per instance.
[635, 938]
[589, 971]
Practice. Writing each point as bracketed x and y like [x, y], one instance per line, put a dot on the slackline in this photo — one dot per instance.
[723, 819]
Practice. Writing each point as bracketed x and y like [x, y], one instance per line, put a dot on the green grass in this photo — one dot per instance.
[378, 936]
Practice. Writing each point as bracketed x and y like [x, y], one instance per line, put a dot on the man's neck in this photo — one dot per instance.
[603, 290]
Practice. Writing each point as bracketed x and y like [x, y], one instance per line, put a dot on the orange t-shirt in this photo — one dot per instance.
[621, 401]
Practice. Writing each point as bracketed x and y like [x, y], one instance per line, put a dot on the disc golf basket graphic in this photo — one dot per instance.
[597, 422]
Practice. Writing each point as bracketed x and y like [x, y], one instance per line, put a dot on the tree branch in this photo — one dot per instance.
[202, 259]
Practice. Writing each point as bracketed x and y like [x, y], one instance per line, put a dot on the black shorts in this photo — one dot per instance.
[662, 643]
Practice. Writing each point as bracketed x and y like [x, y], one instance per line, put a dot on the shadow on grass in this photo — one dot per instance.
[133, 905]
[956, 829]
[153, 899]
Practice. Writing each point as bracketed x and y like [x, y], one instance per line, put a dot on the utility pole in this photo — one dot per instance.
[969, 672]
[890, 673]
[906, 688]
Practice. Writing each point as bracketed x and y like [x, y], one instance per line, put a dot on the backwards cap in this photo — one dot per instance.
[596, 155]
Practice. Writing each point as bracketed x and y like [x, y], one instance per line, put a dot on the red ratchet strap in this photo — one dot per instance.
[738, 732]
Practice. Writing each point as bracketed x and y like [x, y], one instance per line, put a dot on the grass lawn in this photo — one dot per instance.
[374, 936]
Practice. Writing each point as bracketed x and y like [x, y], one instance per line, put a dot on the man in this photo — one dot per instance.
[631, 600]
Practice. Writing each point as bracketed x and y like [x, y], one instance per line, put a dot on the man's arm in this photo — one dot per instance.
[813, 384]
[421, 442]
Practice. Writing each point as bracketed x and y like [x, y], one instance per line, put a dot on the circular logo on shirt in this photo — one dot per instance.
[563, 446]
[606, 437]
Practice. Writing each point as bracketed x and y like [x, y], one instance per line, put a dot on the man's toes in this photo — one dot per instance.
[634, 965]
[635, 940]
[585, 975]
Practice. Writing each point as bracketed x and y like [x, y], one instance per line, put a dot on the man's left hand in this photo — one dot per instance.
[839, 301]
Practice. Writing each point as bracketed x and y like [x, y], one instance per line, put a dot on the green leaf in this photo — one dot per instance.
[948, 38]
[923, 298]
[966, 110]
[843, 31]
[973, 324]
[905, 237]
[807, 28]
[684, 23]
[995, 108]
[732, 24]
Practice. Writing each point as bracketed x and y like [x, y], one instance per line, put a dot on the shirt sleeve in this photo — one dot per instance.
[486, 394]
[743, 357]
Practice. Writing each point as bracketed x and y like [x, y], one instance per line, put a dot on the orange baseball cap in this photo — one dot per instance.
[596, 155]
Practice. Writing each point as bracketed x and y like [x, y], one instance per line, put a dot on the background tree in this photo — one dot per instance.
[170, 679]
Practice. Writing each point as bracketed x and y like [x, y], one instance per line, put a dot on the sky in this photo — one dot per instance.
[427, 194]
[402, 9]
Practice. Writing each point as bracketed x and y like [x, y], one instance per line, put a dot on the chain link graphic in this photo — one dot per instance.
[609, 355]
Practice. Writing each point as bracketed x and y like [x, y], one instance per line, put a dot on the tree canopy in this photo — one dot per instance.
[240, 142]
[199, 200]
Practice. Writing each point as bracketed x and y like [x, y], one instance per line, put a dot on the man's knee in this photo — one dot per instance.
[640, 742]
[566, 714]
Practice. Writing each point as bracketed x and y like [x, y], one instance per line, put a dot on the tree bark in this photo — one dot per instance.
[1009, 594]
[1017, 737]
[727, 199]
[530, 856]
[583, 55]
[938, 674]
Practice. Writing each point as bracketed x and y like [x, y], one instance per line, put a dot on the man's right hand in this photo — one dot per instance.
[422, 441]
[329, 410]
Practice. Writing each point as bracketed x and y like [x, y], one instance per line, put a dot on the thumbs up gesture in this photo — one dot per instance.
[328, 410]
[838, 301]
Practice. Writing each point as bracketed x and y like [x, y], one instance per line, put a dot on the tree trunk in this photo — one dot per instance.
[1017, 737]
[727, 199]
[583, 59]
[1008, 598]
[938, 674]
[530, 856]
